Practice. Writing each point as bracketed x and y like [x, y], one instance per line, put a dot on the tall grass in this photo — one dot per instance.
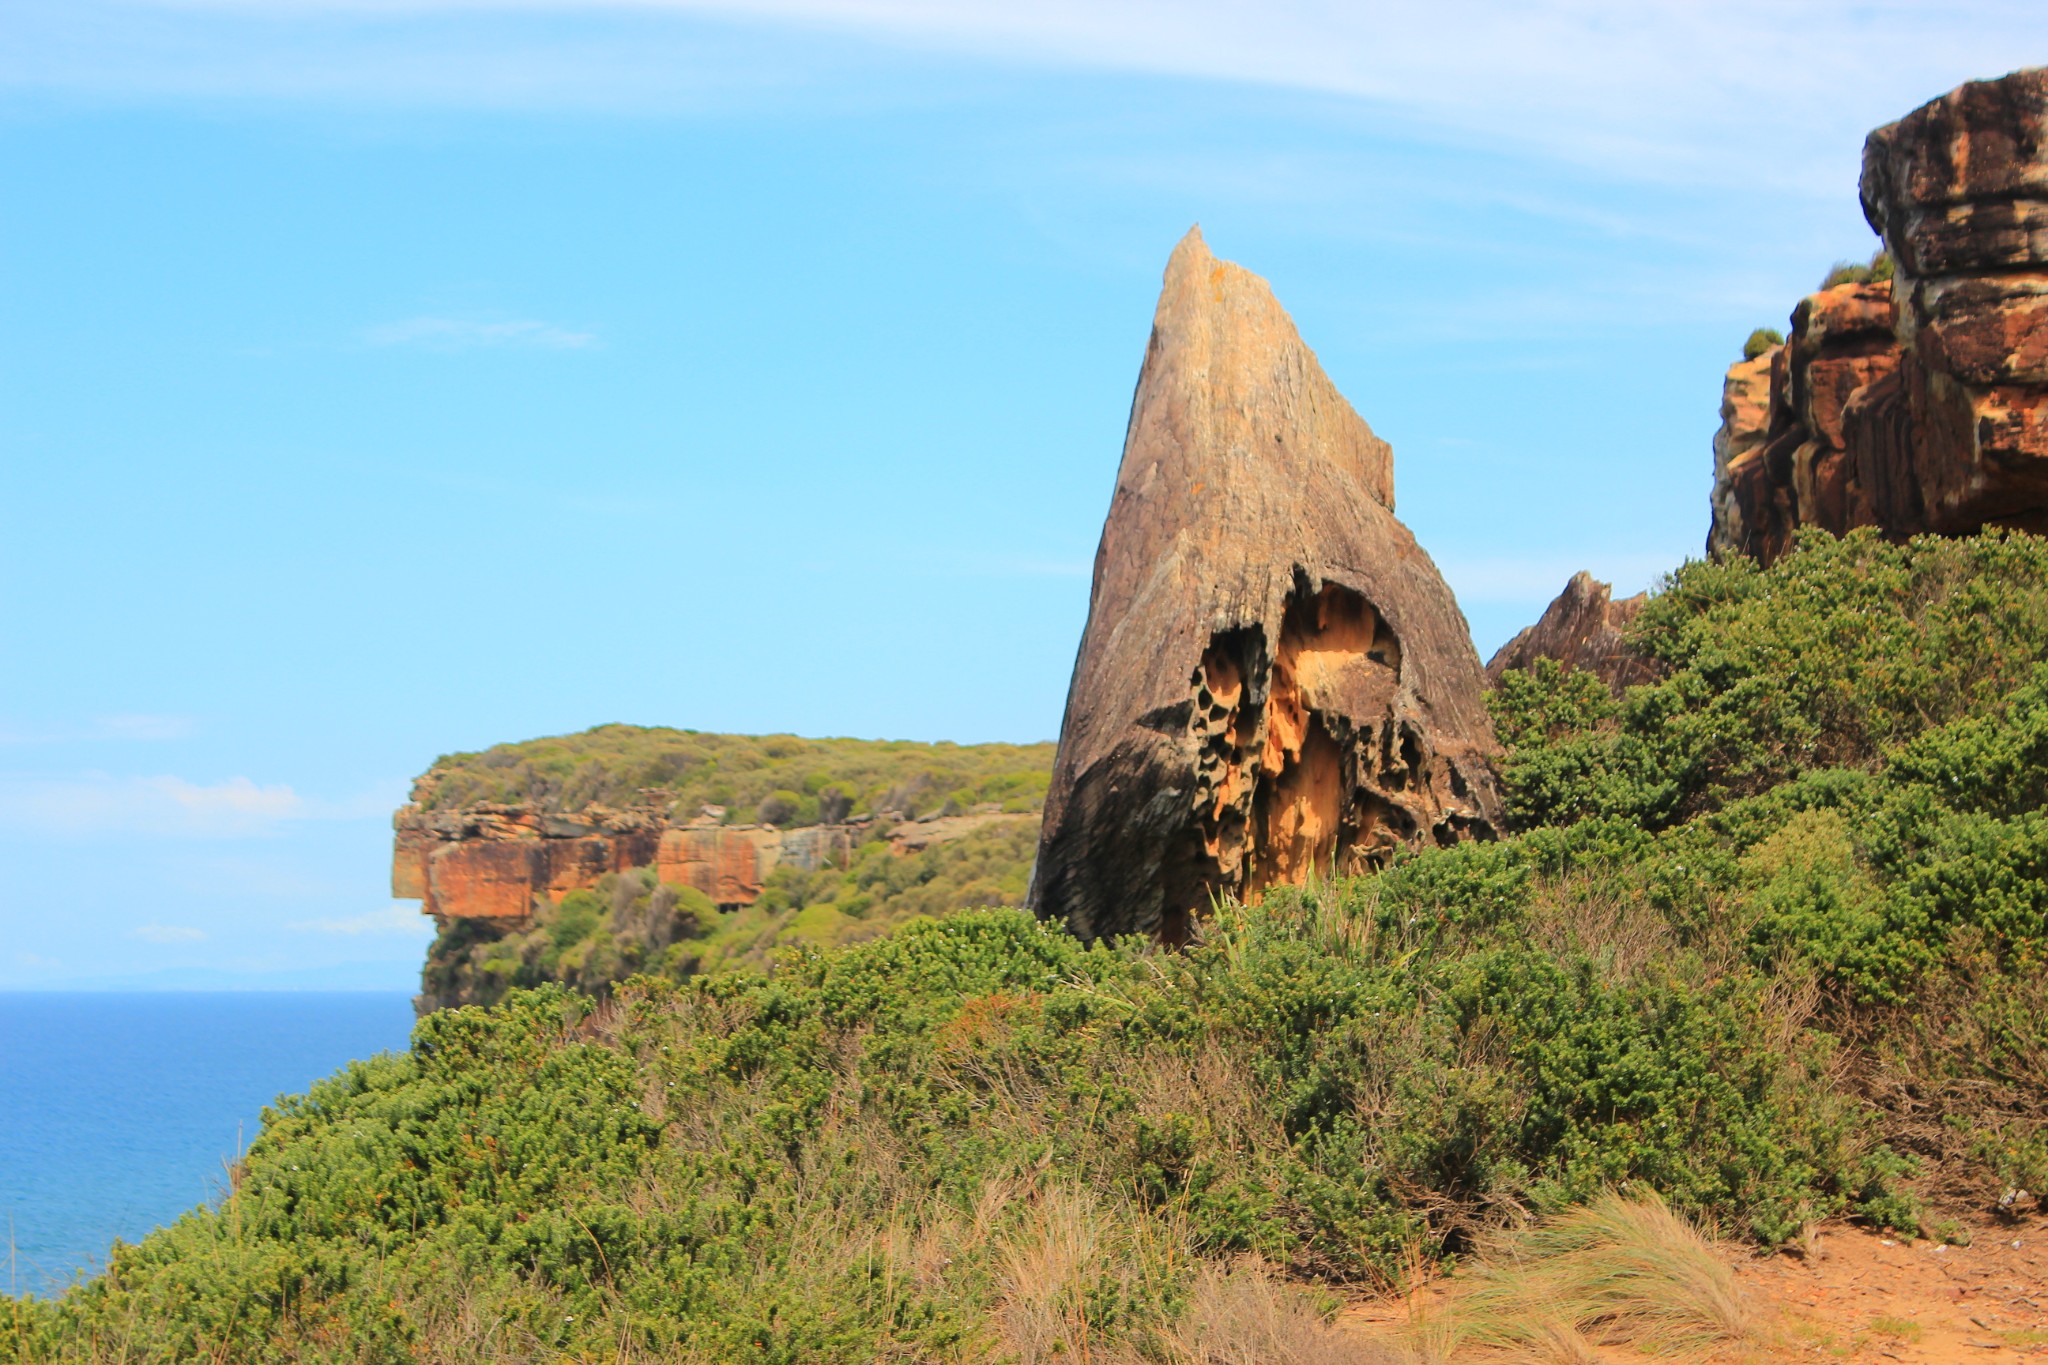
[1618, 1272]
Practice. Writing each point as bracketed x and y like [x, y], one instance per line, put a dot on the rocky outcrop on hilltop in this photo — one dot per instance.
[1921, 403]
[1959, 191]
[1582, 628]
[1785, 456]
[1274, 681]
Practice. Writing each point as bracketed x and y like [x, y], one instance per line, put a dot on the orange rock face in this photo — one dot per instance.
[493, 862]
[494, 880]
[1794, 458]
[1922, 404]
[724, 864]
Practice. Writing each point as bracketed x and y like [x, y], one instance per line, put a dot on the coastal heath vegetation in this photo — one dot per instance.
[975, 1139]
[772, 779]
[1763, 947]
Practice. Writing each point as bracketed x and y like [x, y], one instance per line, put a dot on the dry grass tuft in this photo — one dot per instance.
[1242, 1315]
[1619, 1272]
[1046, 1269]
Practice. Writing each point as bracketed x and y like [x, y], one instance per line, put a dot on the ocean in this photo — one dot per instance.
[118, 1112]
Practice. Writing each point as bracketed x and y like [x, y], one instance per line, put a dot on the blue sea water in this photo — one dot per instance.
[118, 1112]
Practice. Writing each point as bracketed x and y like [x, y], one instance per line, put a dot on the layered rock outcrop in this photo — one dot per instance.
[1581, 628]
[1788, 453]
[1918, 404]
[491, 862]
[1274, 681]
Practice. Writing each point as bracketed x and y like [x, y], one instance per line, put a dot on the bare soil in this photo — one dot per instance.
[1855, 1295]
[1869, 1296]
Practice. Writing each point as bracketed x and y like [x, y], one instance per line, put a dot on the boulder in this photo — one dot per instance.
[1274, 681]
[1582, 628]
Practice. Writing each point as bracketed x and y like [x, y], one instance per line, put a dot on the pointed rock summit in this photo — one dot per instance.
[1583, 627]
[1274, 681]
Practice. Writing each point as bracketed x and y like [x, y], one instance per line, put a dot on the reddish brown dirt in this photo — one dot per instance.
[1865, 1297]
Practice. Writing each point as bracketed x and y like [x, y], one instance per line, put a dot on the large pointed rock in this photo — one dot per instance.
[1274, 682]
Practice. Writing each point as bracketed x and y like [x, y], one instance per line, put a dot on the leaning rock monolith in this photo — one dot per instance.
[1274, 681]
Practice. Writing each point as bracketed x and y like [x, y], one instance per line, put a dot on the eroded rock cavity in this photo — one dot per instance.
[1274, 684]
[1287, 784]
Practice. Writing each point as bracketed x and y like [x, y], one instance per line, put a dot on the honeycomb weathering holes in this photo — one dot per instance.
[1298, 750]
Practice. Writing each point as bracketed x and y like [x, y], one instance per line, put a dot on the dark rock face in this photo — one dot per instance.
[1582, 628]
[1959, 191]
[1274, 681]
[1918, 404]
[1788, 461]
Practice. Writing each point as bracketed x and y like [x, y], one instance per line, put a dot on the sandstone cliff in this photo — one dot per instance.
[1274, 681]
[489, 835]
[1921, 403]
[491, 862]
[1581, 628]
[1789, 453]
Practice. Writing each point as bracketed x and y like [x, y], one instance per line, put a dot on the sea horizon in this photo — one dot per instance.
[126, 1106]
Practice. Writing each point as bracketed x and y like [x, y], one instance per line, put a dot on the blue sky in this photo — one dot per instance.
[381, 379]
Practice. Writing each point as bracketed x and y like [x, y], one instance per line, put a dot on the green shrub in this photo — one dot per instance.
[1841, 776]
[625, 764]
[1876, 270]
[1843, 649]
[1761, 342]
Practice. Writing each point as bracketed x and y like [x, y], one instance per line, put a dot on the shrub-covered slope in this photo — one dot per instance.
[780, 779]
[924, 1146]
[1768, 939]
[630, 924]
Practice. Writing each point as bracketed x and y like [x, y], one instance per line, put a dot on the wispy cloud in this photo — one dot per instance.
[1657, 89]
[99, 804]
[464, 334]
[122, 727]
[402, 918]
[167, 933]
